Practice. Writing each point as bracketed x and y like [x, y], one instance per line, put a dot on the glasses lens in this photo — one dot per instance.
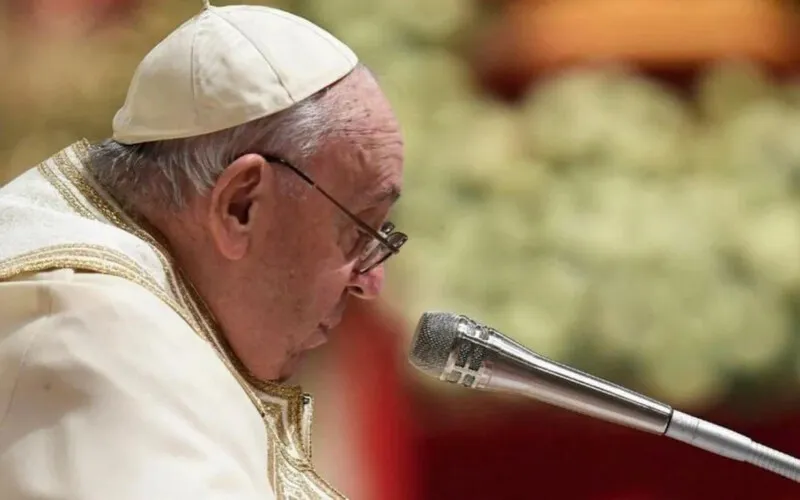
[373, 253]
[397, 240]
[375, 246]
[381, 252]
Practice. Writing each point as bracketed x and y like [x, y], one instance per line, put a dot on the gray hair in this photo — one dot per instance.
[167, 171]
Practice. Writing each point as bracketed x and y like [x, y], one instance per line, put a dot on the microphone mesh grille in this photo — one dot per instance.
[433, 341]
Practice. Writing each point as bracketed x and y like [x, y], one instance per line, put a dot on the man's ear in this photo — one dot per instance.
[235, 199]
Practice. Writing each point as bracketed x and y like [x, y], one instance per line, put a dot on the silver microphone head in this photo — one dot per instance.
[459, 350]
[434, 338]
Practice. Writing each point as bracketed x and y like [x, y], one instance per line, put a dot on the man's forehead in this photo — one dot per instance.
[363, 190]
[378, 175]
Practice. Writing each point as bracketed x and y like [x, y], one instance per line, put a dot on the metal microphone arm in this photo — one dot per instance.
[725, 442]
[458, 350]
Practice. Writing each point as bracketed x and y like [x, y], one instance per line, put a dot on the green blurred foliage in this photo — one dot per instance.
[606, 221]
[624, 227]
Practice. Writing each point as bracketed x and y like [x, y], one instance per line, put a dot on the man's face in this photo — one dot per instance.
[316, 262]
[298, 268]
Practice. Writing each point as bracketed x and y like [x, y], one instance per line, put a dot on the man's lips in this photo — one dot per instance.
[332, 323]
[324, 328]
[322, 333]
[317, 338]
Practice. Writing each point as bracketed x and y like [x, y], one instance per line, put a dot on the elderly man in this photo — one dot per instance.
[157, 288]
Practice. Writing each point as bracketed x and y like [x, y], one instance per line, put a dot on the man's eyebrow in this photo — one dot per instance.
[390, 194]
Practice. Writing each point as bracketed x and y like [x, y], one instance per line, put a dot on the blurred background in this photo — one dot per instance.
[614, 183]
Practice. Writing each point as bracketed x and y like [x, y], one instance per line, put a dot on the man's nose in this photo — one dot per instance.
[368, 285]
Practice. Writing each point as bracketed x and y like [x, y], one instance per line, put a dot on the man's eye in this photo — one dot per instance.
[370, 246]
[362, 241]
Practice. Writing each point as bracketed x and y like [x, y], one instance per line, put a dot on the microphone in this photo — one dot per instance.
[459, 350]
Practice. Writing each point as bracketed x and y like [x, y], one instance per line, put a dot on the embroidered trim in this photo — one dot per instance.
[91, 258]
[287, 420]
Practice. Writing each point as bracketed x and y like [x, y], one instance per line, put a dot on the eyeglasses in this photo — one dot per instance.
[383, 243]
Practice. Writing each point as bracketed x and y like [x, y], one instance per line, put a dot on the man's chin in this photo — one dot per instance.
[293, 361]
[289, 368]
[282, 379]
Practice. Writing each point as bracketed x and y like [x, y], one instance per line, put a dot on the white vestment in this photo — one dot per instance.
[115, 383]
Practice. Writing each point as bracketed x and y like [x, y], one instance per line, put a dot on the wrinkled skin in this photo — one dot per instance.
[271, 256]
